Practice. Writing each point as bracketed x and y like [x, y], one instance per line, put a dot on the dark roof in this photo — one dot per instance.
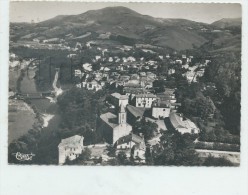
[110, 119]
[149, 95]
[128, 138]
[137, 112]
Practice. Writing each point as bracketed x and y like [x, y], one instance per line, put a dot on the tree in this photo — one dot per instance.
[147, 128]
[111, 150]
[84, 156]
[175, 149]
[212, 161]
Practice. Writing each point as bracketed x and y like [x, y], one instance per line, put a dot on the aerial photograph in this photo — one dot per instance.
[124, 84]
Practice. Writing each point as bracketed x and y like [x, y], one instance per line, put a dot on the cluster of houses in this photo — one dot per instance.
[136, 101]
[116, 126]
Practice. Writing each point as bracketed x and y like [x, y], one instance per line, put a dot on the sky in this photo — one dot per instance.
[200, 12]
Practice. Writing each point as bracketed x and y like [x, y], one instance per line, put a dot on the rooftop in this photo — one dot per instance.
[73, 141]
[178, 122]
[119, 96]
[149, 95]
[131, 137]
[110, 119]
[137, 112]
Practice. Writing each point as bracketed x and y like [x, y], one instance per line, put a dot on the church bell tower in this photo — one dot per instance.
[122, 115]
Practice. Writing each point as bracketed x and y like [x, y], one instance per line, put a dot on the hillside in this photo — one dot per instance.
[228, 22]
[170, 33]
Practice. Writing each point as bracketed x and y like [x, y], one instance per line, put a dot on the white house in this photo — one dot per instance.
[182, 124]
[78, 73]
[135, 144]
[93, 85]
[160, 110]
[144, 100]
[70, 148]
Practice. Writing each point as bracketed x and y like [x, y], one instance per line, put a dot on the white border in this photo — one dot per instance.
[46, 180]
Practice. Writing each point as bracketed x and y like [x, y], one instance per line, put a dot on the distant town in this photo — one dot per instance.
[98, 97]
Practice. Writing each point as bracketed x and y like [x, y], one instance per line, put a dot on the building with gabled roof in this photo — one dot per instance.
[182, 124]
[134, 145]
[70, 148]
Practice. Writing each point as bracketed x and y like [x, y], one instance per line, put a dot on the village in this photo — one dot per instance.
[137, 76]
[135, 100]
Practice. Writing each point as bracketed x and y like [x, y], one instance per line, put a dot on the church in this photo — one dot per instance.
[112, 126]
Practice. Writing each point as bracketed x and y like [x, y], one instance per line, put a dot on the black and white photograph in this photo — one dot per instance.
[124, 84]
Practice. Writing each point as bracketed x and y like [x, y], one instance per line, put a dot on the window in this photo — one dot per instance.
[192, 131]
[163, 109]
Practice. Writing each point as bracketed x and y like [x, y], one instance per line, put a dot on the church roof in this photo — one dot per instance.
[110, 119]
[137, 112]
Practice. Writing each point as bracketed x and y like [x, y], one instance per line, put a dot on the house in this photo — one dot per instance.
[167, 96]
[182, 124]
[151, 75]
[144, 100]
[132, 91]
[93, 85]
[87, 67]
[131, 59]
[98, 58]
[78, 73]
[161, 57]
[104, 69]
[171, 71]
[110, 59]
[179, 62]
[70, 148]
[118, 99]
[112, 127]
[133, 143]
[160, 110]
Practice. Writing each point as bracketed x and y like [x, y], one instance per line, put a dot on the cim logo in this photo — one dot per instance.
[23, 157]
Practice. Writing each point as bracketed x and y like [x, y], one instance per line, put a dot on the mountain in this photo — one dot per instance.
[124, 26]
[228, 22]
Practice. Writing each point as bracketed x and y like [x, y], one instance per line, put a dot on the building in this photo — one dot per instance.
[78, 73]
[160, 110]
[118, 99]
[93, 85]
[182, 124]
[167, 96]
[134, 145]
[70, 148]
[113, 127]
[144, 100]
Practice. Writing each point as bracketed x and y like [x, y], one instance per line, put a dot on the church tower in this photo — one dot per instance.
[122, 115]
